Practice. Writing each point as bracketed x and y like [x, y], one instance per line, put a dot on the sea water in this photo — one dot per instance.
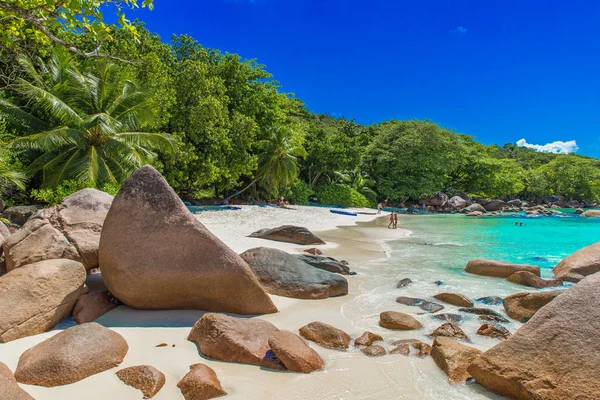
[434, 257]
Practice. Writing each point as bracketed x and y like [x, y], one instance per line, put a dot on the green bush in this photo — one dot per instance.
[299, 192]
[65, 189]
[336, 194]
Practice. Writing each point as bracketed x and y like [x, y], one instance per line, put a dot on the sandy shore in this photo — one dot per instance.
[347, 375]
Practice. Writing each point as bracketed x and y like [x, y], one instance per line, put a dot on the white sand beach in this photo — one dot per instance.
[347, 375]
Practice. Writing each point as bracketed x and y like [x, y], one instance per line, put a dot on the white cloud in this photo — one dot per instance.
[459, 30]
[557, 147]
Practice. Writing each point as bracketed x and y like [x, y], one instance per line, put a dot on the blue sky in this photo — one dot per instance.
[499, 70]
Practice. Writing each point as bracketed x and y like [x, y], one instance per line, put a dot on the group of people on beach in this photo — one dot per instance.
[393, 220]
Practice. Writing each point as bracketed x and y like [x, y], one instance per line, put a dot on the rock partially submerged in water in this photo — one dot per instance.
[9, 388]
[423, 349]
[475, 207]
[583, 262]
[522, 306]
[283, 274]
[456, 299]
[453, 358]
[156, 255]
[474, 214]
[398, 321]
[554, 355]
[493, 330]
[403, 283]
[528, 279]
[484, 312]
[592, 213]
[326, 263]
[71, 355]
[236, 340]
[374, 351]
[36, 297]
[448, 329]
[294, 353]
[424, 305]
[454, 318]
[326, 335]
[200, 383]
[289, 234]
[145, 378]
[490, 300]
[498, 268]
[367, 339]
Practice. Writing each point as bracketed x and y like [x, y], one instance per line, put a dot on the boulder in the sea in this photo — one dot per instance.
[403, 283]
[92, 306]
[236, 340]
[283, 274]
[439, 199]
[326, 335]
[494, 205]
[156, 255]
[474, 214]
[448, 329]
[456, 299]
[38, 296]
[579, 211]
[71, 355]
[514, 203]
[69, 230]
[485, 312]
[367, 339]
[326, 263]
[493, 330]
[289, 234]
[592, 213]
[454, 318]
[9, 388]
[522, 306]
[453, 358]
[526, 278]
[200, 383]
[423, 349]
[475, 207]
[490, 300]
[457, 203]
[20, 214]
[498, 268]
[374, 351]
[294, 353]
[554, 355]
[424, 305]
[146, 378]
[583, 262]
[398, 321]
[402, 349]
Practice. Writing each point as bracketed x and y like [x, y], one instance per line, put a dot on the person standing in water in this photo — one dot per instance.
[395, 220]
[379, 207]
[391, 220]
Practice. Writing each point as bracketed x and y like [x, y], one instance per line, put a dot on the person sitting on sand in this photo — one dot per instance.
[281, 202]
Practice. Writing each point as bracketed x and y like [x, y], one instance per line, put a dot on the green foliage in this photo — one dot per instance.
[299, 192]
[335, 194]
[58, 194]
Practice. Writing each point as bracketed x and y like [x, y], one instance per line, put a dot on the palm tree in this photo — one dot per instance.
[9, 176]
[83, 126]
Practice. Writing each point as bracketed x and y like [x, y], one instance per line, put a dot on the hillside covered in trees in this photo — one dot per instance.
[219, 126]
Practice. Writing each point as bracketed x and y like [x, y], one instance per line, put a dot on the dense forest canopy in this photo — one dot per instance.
[217, 125]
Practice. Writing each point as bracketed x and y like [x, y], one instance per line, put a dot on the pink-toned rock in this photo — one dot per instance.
[498, 268]
[493, 330]
[398, 321]
[453, 358]
[528, 279]
[374, 351]
[423, 348]
[92, 306]
[38, 296]
[294, 353]
[201, 383]
[143, 377]
[71, 355]
[367, 339]
[237, 340]
[582, 263]
[326, 335]
[522, 306]
[554, 355]
[456, 299]
[9, 388]
[448, 329]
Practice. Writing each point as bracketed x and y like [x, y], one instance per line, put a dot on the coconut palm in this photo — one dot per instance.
[9, 176]
[83, 126]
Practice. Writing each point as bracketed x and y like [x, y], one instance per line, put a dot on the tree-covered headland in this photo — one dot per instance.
[83, 103]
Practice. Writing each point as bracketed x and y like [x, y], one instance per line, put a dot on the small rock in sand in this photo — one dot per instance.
[449, 330]
[294, 353]
[374, 351]
[425, 305]
[143, 377]
[367, 339]
[398, 321]
[403, 283]
[201, 383]
[493, 330]
[326, 335]
[161, 345]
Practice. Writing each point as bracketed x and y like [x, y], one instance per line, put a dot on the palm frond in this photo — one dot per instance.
[51, 140]
[19, 117]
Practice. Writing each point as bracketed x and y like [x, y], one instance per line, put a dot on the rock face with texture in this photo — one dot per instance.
[453, 358]
[522, 306]
[283, 274]
[485, 312]
[294, 353]
[9, 388]
[583, 262]
[498, 268]
[92, 306]
[143, 377]
[398, 321]
[71, 355]
[156, 255]
[424, 305]
[448, 329]
[423, 349]
[403, 283]
[457, 203]
[437, 200]
[367, 339]
[528, 279]
[474, 214]
[592, 213]
[38, 296]
[490, 300]
[552, 356]
[493, 330]
[456, 299]
[494, 205]
[475, 207]
[236, 340]
[70, 230]
[374, 351]
[326, 335]
[201, 383]
[20, 214]
[325, 263]
[288, 234]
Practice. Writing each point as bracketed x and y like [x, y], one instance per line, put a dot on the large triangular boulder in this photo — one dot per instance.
[69, 230]
[154, 254]
[582, 263]
[9, 388]
[554, 355]
[36, 297]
